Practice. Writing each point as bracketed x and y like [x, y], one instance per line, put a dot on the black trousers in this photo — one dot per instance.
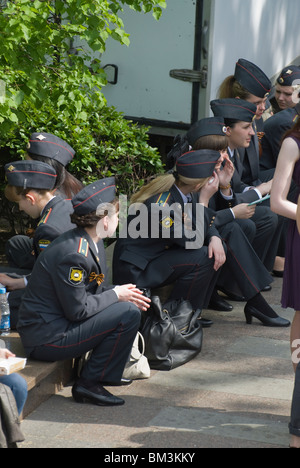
[18, 251]
[109, 335]
[243, 273]
[268, 233]
[193, 275]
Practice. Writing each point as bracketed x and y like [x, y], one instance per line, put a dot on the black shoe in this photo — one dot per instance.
[278, 274]
[205, 322]
[97, 395]
[251, 312]
[232, 296]
[267, 288]
[117, 384]
[218, 303]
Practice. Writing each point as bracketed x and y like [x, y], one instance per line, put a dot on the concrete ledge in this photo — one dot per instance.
[44, 379]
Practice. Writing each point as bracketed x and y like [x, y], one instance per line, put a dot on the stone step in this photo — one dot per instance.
[44, 379]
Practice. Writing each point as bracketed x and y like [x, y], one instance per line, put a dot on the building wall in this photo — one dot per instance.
[265, 32]
[262, 31]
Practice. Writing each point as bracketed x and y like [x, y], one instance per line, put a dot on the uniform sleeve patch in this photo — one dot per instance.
[44, 243]
[76, 276]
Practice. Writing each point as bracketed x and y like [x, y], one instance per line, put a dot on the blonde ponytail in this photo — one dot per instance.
[163, 184]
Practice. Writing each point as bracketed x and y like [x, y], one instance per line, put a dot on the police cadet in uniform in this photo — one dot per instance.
[69, 309]
[151, 261]
[287, 97]
[238, 116]
[211, 133]
[31, 185]
[287, 89]
[250, 84]
[54, 151]
[243, 273]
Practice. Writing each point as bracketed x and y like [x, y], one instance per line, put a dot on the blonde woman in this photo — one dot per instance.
[170, 235]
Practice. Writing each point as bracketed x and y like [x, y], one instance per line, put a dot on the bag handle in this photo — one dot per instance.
[141, 338]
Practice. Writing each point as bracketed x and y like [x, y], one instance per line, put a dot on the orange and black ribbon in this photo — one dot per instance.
[98, 278]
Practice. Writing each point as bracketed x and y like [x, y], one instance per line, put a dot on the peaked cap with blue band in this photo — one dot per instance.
[89, 198]
[198, 164]
[30, 174]
[50, 146]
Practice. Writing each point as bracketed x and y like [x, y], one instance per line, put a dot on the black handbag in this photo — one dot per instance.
[173, 334]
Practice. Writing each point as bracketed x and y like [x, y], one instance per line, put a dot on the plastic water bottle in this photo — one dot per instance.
[5, 313]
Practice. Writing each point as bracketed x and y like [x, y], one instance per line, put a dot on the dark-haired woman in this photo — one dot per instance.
[251, 84]
[69, 309]
[57, 153]
[243, 272]
[52, 150]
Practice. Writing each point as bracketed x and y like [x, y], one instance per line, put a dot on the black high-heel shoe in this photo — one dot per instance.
[251, 312]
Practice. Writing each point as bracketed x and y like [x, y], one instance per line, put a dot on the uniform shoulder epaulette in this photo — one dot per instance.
[163, 199]
[83, 247]
[45, 217]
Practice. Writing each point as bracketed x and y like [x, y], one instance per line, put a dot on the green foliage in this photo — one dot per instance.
[51, 80]
[105, 143]
[37, 55]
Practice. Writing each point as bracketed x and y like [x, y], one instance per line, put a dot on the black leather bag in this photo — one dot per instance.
[173, 334]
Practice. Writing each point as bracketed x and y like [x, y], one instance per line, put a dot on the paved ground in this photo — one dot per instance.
[237, 393]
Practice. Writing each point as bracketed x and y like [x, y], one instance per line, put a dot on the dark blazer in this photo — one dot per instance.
[55, 220]
[274, 129]
[238, 186]
[250, 161]
[63, 289]
[133, 255]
